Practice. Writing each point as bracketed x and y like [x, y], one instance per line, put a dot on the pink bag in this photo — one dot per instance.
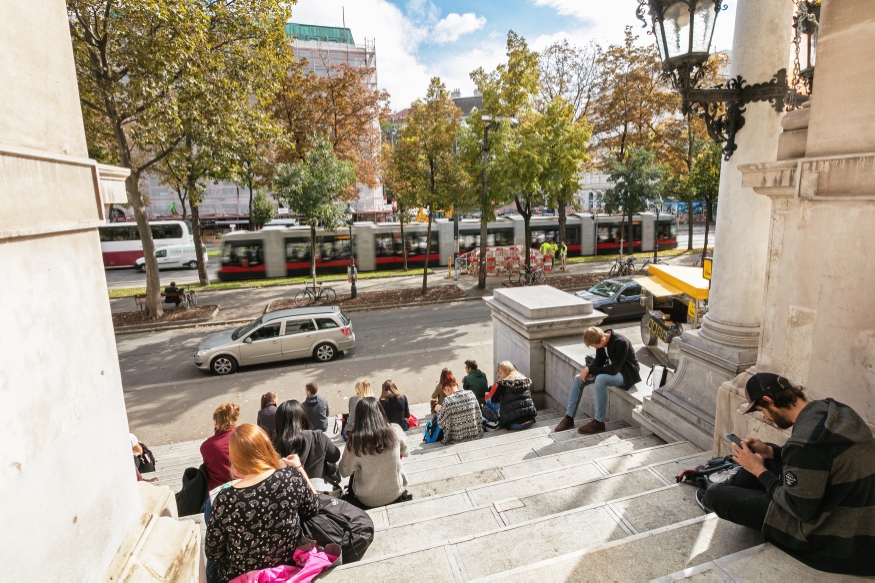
[310, 561]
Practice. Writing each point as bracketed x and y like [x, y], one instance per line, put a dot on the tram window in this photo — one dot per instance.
[332, 248]
[572, 235]
[416, 243]
[538, 237]
[243, 254]
[298, 249]
[667, 230]
[387, 244]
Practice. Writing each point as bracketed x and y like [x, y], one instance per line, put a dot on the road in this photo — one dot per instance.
[127, 277]
[169, 400]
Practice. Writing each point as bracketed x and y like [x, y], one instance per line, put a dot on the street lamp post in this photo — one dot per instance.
[353, 293]
[595, 231]
[489, 122]
[656, 233]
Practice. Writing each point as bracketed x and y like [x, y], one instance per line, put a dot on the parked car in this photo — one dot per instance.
[619, 298]
[320, 332]
[173, 256]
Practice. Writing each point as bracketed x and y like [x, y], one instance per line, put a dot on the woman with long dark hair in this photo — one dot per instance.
[395, 405]
[293, 436]
[372, 458]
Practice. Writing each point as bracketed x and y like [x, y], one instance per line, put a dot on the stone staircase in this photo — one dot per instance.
[536, 505]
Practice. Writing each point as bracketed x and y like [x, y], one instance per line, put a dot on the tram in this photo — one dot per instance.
[285, 251]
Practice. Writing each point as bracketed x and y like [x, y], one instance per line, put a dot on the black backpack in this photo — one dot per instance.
[341, 523]
[146, 460]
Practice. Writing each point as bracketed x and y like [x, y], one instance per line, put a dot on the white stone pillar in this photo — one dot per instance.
[727, 342]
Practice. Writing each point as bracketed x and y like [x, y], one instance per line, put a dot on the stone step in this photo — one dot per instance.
[618, 453]
[424, 530]
[517, 546]
[763, 562]
[642, 557]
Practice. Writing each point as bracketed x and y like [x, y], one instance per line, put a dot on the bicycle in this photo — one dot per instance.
[622, 266]
[189, 298]
[310, 295]
[700, 260]
[651, 261]
[531, 276]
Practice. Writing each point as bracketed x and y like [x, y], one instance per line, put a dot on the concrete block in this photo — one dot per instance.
[433, 506]
[432, 564]
[657, 509]
[531, 485]
[651, 456]
[592, 492]
[542, 539]
[451, 484]
[538, 303]
[414, 535]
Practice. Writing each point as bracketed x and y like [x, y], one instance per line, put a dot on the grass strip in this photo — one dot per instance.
[257, 283]
[640, 255]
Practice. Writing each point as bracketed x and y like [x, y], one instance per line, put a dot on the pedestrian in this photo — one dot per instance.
[459, 417]
[813, 498]
[173, 299]
[554, 249]
[394, 404]
[316, 451]
[546, 251]
[615, 365]
[372, 459]
[475, 381]
[316, 407]
[267, 413]
[255, 523]
[214, 450]
[513, 395]
[362, 390]
[563, 255]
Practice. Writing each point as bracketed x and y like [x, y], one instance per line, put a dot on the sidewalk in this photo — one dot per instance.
[242, 304]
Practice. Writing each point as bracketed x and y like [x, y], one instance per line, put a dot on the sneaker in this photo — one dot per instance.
[566, 423]
[700, 499]
[592, 427]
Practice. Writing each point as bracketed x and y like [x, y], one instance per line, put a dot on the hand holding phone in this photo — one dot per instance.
[732, 438]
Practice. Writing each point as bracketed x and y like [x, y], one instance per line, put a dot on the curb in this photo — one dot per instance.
[366, 307]
[166, 326]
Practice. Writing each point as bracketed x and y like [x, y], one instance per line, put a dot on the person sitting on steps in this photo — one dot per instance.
[513, 395]
[814, 498]
[316, 407]
[215, 449]
[459, 417]
[475, 381]
[314, 449]
[437, 397]
[615, 365]
[267, 413]
[394, 404]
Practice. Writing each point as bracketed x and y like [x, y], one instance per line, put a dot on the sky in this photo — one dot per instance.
[420, 39]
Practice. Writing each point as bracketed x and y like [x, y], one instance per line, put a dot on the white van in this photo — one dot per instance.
[174, 256]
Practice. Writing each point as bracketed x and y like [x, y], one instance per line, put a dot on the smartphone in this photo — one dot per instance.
[733, 438]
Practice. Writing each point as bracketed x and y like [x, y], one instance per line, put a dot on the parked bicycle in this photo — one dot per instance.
[311, 295]
[652, 261]
[700, 260]
[623, 266]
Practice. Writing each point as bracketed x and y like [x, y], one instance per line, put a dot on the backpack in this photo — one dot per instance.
[490, 418]
[433, 431]
[146, 460]
[714, 471]
[339, 522]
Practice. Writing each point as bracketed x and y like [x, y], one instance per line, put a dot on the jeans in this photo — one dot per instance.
[491, 405]
[743, 500]
[209, 567]
[601, 382]
[521, 426]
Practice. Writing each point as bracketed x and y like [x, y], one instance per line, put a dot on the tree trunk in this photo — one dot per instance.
[202, 274]
[313, 253]
[484, 218]
[526, 211]
[154, 308]
[427, 250]
[709, 212]
[252, 224]
[622, 227]
[705, 246]
[182, 202]
[689, 228]
[560, 208]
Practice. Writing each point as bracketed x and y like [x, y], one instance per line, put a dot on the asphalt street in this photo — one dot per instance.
[128, 277]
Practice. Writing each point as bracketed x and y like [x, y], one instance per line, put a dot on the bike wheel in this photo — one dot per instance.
[327, 296]
[613, 271]
[541, 276]
[192, 298]
[303, 298]
[528, 278]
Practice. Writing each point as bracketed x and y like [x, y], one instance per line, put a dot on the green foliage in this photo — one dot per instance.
[636, 179]
[263, 210]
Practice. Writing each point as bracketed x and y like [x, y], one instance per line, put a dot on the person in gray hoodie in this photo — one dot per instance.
[814, 498]
[316, 407]
[475, 381]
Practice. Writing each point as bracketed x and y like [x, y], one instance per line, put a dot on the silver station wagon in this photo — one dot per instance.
[320, 332]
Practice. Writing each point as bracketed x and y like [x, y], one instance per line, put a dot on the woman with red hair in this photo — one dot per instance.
[255, 523]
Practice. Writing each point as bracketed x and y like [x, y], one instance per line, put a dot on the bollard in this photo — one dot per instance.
[450, 267]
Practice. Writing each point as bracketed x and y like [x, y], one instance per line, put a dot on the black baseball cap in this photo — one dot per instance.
[763, 384]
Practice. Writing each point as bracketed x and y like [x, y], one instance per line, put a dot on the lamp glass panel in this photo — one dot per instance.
[703, 25]
[677, 29]
[657, 32]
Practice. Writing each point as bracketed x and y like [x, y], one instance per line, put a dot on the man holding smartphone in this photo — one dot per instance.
[814, 497]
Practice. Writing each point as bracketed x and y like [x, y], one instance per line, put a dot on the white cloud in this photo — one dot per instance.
[455, 25]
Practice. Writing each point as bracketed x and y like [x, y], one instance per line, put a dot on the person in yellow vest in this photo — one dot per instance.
[546, 250]
[554, 249]
[563, 254]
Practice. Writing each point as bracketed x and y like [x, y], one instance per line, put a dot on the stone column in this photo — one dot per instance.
[727, 342]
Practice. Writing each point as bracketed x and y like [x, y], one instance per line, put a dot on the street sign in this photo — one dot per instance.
[691, 311]
[706, 268]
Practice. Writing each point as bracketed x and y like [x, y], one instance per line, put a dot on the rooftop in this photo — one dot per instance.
[330, 34]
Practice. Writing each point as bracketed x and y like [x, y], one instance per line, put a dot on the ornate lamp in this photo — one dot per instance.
[683, 31]
[350, 215]
[806, 24]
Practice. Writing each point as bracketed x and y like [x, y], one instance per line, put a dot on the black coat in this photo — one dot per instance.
[617, 356]
[515, 399]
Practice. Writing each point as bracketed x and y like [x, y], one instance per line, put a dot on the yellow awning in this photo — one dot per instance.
[670, 280]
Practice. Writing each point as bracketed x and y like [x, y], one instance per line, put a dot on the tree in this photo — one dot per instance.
[507, 92]
[339, 105]
[148, 71]
[632, 99]
[704, 179]
[426, 165]
[572, 73]
[312, 187]
[397, 189]
[635, 180]
[263, 210]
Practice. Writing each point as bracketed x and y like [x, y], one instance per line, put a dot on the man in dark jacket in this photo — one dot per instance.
[814, 498]
[316, 408]
[475, 381]
[615, 365]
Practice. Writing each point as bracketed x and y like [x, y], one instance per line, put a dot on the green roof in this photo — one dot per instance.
[331, 34]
